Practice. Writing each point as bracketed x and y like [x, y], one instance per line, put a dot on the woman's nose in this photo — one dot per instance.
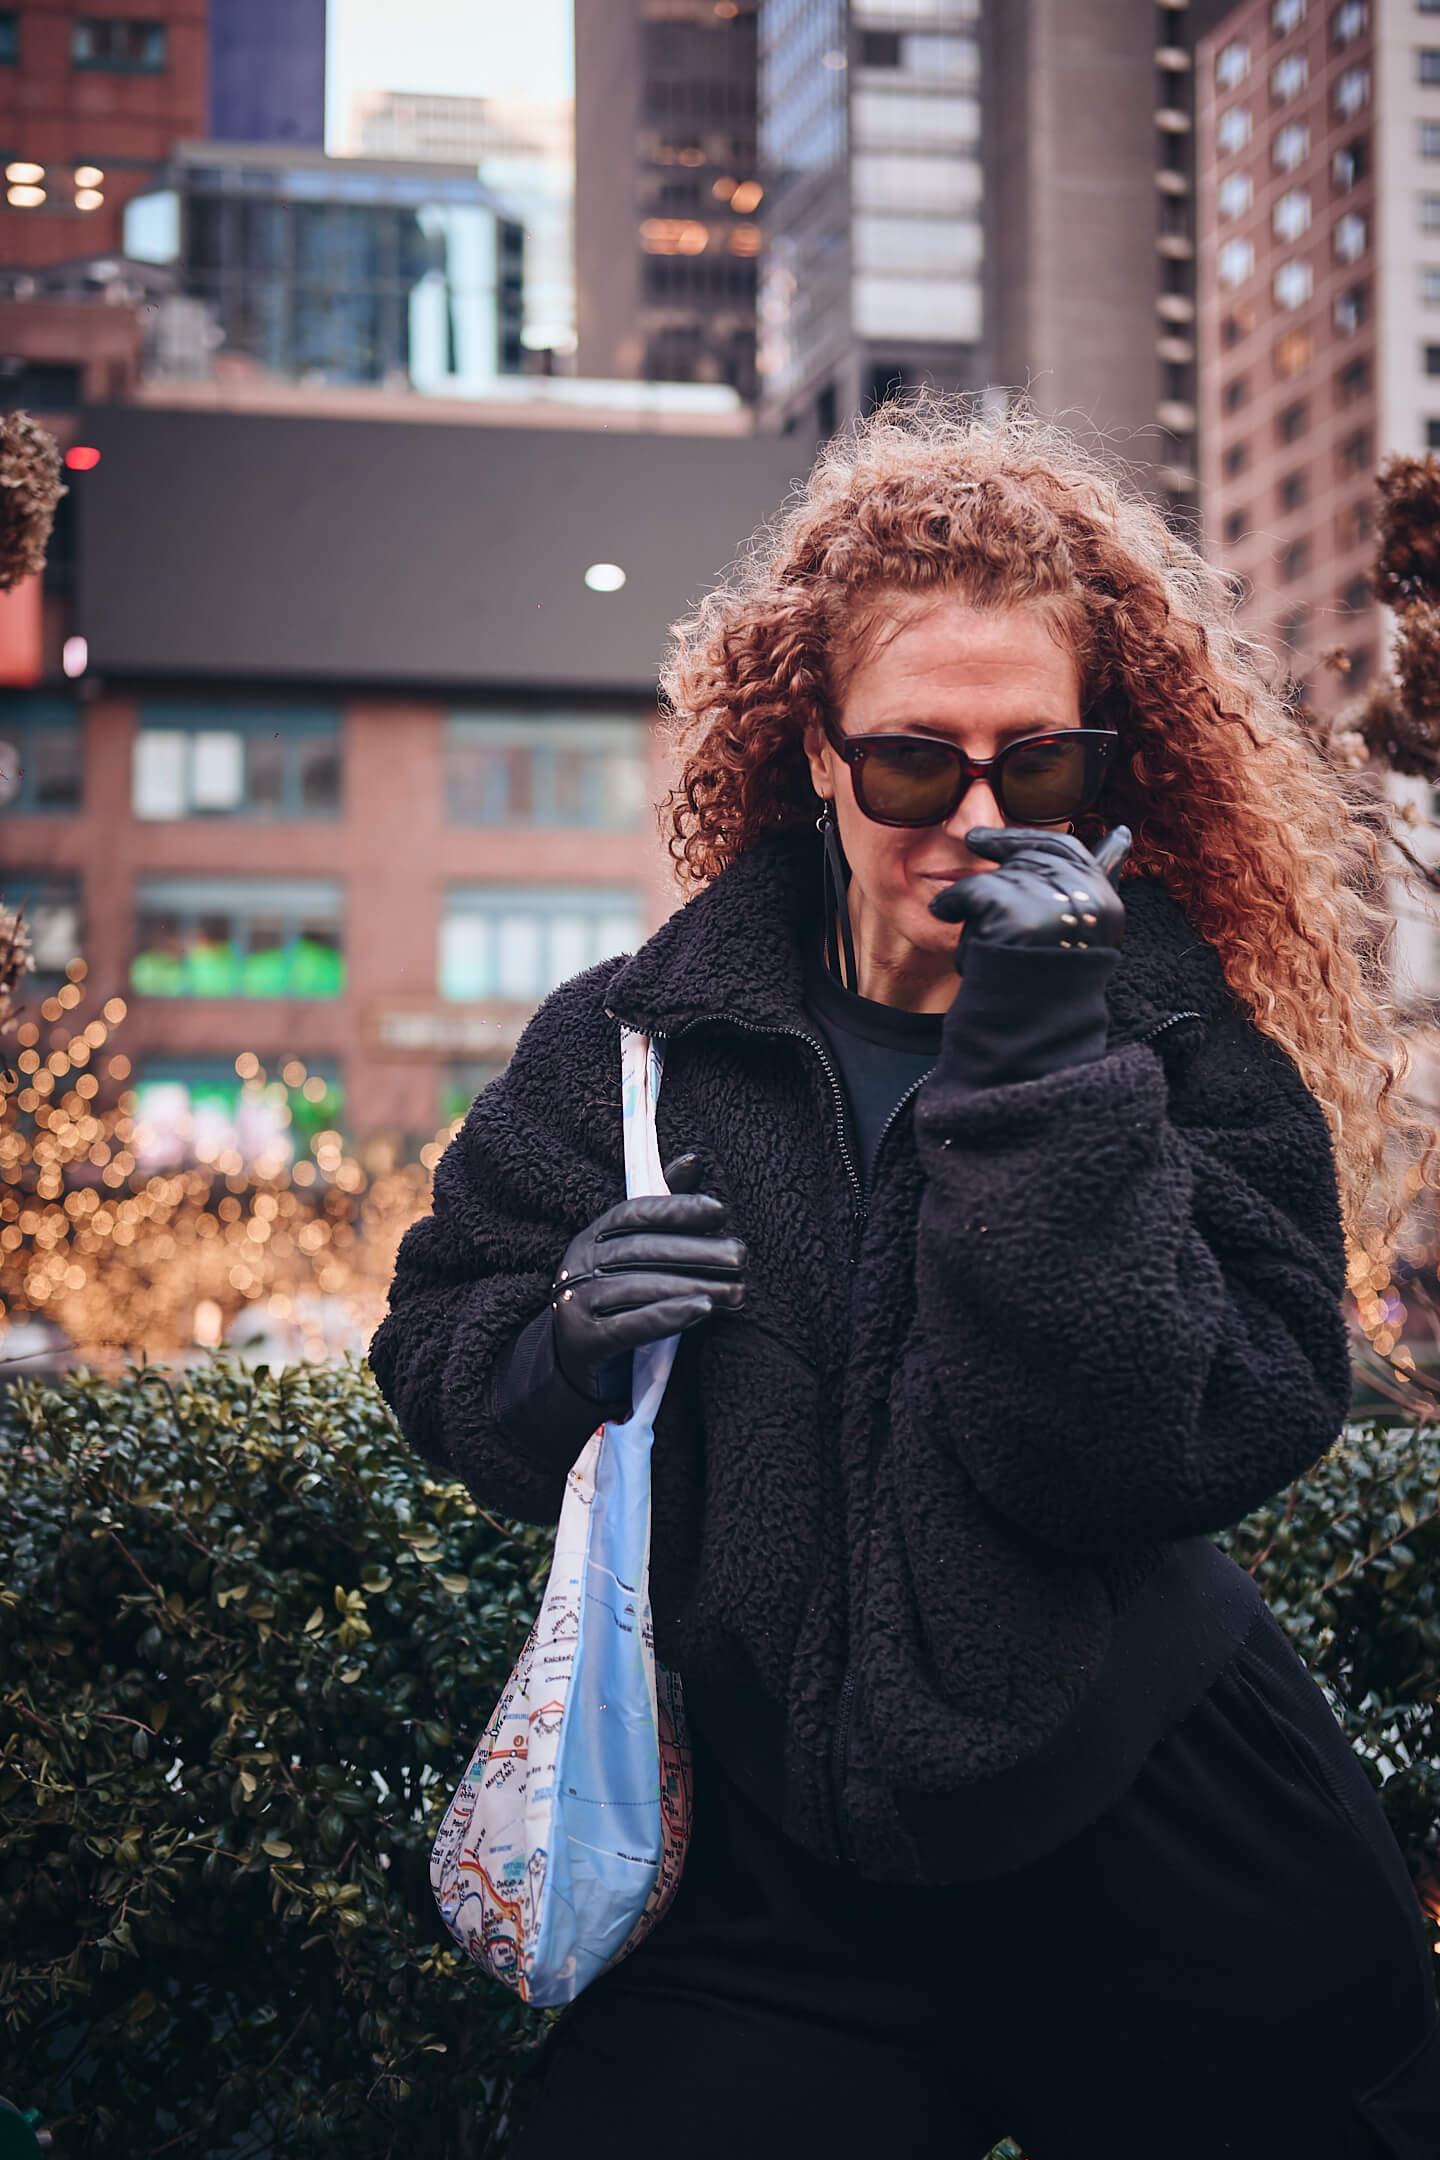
[977, 806]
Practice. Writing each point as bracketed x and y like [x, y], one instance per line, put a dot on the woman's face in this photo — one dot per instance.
[979, 677]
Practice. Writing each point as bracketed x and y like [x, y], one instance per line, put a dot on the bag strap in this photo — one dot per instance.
[641, 1065]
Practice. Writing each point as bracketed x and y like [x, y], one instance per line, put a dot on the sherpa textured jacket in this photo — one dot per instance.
[911, 1502]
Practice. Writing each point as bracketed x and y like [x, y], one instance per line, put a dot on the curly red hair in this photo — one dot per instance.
[1230, 802]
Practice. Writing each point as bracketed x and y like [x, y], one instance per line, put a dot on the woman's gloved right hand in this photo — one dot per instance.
[646, 1269]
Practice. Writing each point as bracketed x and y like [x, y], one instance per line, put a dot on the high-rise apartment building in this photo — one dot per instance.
[870, 151]
[666, 237]
[267, 71]
[90, 104]
[1319, 305]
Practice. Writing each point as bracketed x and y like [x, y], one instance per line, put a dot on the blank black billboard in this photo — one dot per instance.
[402, 552]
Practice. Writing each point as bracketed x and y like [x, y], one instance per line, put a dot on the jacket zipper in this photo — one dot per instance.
[859, 1216]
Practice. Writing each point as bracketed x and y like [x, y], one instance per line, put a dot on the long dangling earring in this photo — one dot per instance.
[835, 876]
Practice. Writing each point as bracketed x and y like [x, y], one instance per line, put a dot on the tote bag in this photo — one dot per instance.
[565, 1839]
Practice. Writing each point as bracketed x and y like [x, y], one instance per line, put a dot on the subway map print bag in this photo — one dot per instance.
[566, 1837]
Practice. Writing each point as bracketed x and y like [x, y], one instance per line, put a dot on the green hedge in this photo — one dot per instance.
[245, 1643]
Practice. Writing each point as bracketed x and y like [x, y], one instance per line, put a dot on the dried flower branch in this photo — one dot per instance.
[30, 488]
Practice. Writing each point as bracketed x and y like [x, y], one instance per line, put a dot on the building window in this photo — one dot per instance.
[880, 48]
[1353, 381]
[1352, 455]
[1293, 421]
[199, 1110]
[1352, 92]
[1288, 77]
[238, 938]
[1355, 523]
[1293, 284]
[521, 942]
[1432, 434]
[1235, 393]
[1430, 287]
[1291, 215]
[1294, 491]
[1237, 525]
[1356, 597]
[1351, 309]
[1431, 357]
[236, 761]
[1236, 458]
[1293, 353]
[1286, 15]
[1291, 146]
[1429, 58]
[1350, 22]
[1294, 560]
[1295, 627]
[1233, 130]
[1350, 165]
[1235, 262]
[1430, 138]
[118, 43]
[511, 770]
[1430, 213]
[1235, 194]
[1232, 64]
[1351, 237]
[9, 37]
[41, 754]
[50, 901]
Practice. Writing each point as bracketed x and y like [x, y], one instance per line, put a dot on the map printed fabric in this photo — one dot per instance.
[566, 1837]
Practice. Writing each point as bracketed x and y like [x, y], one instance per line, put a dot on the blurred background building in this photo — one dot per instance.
[1320, 306]
[267, 71]
[666, 235]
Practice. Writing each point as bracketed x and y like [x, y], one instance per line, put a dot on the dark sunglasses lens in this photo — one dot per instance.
[908, 783]
[1048, 780]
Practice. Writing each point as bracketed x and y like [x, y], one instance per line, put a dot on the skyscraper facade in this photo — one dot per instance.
[1319, 306]
[267, 71]
[870, 151]
[666, 237]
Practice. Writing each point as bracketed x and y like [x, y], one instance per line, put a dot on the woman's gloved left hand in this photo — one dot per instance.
[1049, 891]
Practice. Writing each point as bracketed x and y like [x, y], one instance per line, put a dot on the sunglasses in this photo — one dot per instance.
[922, 779]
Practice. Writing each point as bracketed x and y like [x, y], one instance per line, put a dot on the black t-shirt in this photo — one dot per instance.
[880, 1051]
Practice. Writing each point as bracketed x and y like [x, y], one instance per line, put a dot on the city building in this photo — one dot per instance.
[363, 757]
[292, 264]
[666, 233]
[1319, 306]
[523, 149]
[870, 152]
[90, 105]
[267, 71]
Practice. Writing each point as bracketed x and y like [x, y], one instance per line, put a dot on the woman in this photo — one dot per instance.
[1009, 1260]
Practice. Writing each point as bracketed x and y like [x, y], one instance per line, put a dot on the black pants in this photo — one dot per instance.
[1231, 1961]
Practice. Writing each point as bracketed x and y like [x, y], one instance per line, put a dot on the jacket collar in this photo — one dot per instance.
[736, 952]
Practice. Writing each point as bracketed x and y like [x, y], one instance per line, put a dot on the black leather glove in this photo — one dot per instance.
[645, 1269]
[1048, 891]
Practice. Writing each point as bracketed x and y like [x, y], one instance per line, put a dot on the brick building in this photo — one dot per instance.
[1320, 305]
[364, 757]
[90, 105]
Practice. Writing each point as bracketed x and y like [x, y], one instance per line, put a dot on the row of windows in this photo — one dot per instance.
[267, 762]
[1348, 22]
[1349, 95]
[1352, 381]
[285, 938]
[1353, 524]
[1294, 282]
[120, 44]
[199, 1109]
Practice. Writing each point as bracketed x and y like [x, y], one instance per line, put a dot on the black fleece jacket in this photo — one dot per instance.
[901, 1502]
